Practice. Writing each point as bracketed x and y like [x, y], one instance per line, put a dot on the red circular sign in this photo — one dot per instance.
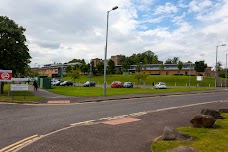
[5, 76]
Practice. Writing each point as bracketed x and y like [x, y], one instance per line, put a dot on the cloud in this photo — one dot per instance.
[166, 9]
[59, 31]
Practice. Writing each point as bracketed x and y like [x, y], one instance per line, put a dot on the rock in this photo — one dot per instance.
[213, 113]
[172, 134]
[168, 134]
[200, 120]
[182, 149]
[223, 110]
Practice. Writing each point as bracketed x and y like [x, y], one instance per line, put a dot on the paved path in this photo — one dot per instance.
[134, 136]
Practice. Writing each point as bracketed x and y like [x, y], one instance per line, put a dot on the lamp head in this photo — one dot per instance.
[114, 8]
[223, 45]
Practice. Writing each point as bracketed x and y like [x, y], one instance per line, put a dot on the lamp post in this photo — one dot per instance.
[90, 72]
[106, 47]
[226, 70]
[189, 75]
[216, 62]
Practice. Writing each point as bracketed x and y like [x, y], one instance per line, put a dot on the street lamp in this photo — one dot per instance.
[226, 70]
[106, 47]
[189, 75]
[216, 62]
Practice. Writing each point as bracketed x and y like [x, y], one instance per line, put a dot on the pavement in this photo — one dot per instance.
[128, 133]
[50, 97]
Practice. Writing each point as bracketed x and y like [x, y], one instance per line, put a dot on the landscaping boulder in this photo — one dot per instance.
[168, 134]
[172, 134]
[223, 110]
[182, 149]
[205, 121]
[213, 113]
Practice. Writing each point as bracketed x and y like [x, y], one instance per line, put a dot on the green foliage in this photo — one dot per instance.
[219, 66]
[98, 91]
[111, 67]
[161, 67]
[140, 76]
[74, 74]
[172, 61]
[77, 60]
[206, 139]
[19, 96]
[200, 66]
[100, 68]
[68, 69]
[14, 54]
[147, 57]
[180, 65]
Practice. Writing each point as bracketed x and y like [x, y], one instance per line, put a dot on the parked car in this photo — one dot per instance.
[66, 83]
[56, 83]
[116, 84]
[128, 85]
[160, 85]
[89, 84]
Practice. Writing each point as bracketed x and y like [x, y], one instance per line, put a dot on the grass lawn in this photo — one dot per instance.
[19, 96]
[95, 91]
[169, 80]
[206, 139]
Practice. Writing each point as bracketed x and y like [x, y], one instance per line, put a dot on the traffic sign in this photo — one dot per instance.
[5, 75]
[216, 77]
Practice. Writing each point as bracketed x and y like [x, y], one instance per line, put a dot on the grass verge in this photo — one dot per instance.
[206, 139]
[19, 96]
[95, 91]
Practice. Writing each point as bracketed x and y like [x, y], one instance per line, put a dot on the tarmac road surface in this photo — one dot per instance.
[21, 121]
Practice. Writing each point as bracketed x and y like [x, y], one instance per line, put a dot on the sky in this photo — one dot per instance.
[58, 31]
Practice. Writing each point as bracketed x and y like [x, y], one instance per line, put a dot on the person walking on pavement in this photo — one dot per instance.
[35, 85]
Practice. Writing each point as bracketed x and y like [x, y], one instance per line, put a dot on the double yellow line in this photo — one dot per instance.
[18, 144]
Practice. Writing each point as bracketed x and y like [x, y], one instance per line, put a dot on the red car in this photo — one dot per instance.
[116, 84]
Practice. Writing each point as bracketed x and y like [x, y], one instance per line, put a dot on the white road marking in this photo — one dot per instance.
[91, 122]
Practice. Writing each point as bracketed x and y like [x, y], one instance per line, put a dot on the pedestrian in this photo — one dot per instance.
[153, 83]
[35, 85]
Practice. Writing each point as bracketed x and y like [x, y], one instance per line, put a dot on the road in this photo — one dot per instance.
[20, 121]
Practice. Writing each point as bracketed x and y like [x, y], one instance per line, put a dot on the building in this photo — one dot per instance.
[116, 59]
[96, 60]
[171, 69]
[54, 70]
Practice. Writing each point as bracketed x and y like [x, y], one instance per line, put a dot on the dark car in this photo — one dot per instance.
[89, 84]
[128, 85]
[116, 84]
[66, 83]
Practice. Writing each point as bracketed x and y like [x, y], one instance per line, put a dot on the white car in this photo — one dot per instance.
[160, 85]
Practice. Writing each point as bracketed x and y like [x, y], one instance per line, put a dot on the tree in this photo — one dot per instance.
[68, 69]
[14, 54]
[172, 61]
[140, 76]
[200, 66]
[100, 68]
[168, 61]
[180, 66]
[219, 66]
[111, 66]
[74, 74]
[161, 67]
